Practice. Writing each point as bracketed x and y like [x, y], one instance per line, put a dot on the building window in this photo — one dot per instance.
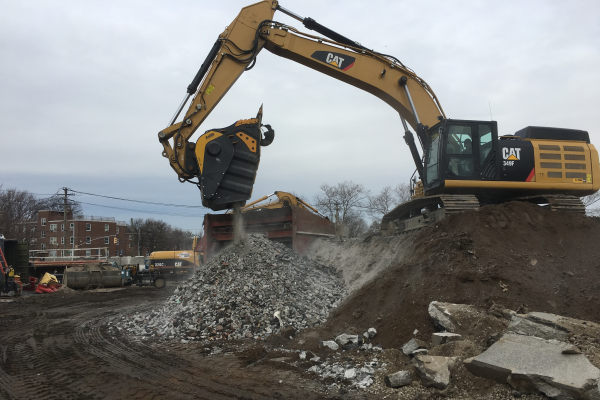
[106, 240]
[71, 240]
[53, 240]
[88, 239]
[43, 234]
[62, 240]
[106, 227]
[130, 245]
[52, 227]
[24, 229]
[62, 227]
[88, 227]
[62, 253]
[33, 240]
[71, 226]
[88, 253]
[33, 228]
[43, 246]
[52, 253]
[43, 221]
[117, 230]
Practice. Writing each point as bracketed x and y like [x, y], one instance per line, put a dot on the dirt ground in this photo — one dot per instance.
[515, 256]
[56, 346]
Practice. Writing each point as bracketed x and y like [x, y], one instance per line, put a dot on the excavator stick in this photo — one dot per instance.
[226, 161]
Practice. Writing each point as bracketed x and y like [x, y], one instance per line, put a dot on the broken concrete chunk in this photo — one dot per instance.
[413, 344]
[441, 316]
[372, 332]
[531, 365]
[434, 370]
[444, 337]
[331, 344]
[398, 379]
[344, 338]
[350, 373]
[420, 351]
[542, 325]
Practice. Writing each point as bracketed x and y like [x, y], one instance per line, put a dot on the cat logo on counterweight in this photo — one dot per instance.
[338, 60]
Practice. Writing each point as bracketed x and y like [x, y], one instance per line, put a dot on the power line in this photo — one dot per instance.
[137, 201]
[146, 212]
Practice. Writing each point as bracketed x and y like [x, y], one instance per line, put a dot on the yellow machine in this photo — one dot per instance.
[279, 200]
[464, 163]
[174, 263]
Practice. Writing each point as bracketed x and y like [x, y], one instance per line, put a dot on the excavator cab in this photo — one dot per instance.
[459, 150]
[468, 157]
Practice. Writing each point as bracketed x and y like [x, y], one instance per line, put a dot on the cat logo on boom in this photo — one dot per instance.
[337, 60]
[510, 155]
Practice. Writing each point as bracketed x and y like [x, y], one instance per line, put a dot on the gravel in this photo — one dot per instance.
[251, 290]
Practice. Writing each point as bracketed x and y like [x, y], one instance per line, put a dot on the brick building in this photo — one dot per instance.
[87, 236]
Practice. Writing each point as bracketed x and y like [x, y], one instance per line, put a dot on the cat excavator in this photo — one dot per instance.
[464, 163]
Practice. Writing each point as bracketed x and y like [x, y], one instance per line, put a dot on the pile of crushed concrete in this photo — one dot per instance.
[251, 290]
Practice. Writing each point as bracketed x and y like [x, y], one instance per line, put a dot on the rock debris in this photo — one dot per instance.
[251, 290]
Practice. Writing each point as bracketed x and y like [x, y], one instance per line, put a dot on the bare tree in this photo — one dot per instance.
[402, 193]
[355, 223]
[382, 203]
[346, 200]
[57, 203]
[157, 235]
[180, 239]
[387, 200]
[17, 207]
[343, 198]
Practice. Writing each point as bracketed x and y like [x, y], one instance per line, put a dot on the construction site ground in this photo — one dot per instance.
[515, 256]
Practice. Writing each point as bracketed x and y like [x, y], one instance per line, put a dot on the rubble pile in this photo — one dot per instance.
[537, 354]
[251, 290]
[356, 373]
[360, 376]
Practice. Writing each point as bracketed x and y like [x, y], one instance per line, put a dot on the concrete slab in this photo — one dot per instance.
[532, 365]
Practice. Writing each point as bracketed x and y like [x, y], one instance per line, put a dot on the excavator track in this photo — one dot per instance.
[562, 203]
[409, 216]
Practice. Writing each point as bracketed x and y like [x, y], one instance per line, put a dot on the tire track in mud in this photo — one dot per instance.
[53, 357]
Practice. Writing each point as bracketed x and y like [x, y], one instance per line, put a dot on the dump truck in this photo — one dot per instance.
[286, 219]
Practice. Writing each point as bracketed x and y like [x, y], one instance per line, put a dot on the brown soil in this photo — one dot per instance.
[517, 255]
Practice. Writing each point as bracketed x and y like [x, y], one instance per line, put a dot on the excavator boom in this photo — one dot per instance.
[235, 51]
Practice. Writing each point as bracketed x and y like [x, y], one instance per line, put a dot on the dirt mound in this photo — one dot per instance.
[517, 255]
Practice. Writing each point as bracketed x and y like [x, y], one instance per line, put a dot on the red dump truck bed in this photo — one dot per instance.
[293, 226]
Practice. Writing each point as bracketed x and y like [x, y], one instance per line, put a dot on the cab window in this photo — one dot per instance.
[485, 142]
[460, 151]
[431, 172]
[460, 140]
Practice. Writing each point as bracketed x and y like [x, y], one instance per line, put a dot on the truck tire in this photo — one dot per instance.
[160, 283]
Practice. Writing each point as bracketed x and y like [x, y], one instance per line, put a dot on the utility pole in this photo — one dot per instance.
[65, 220]
[138, 235]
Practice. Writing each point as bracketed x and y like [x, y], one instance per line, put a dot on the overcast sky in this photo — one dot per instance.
[86, 86]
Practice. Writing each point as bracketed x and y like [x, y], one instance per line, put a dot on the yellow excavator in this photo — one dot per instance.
[464, 163]
[279, 199]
